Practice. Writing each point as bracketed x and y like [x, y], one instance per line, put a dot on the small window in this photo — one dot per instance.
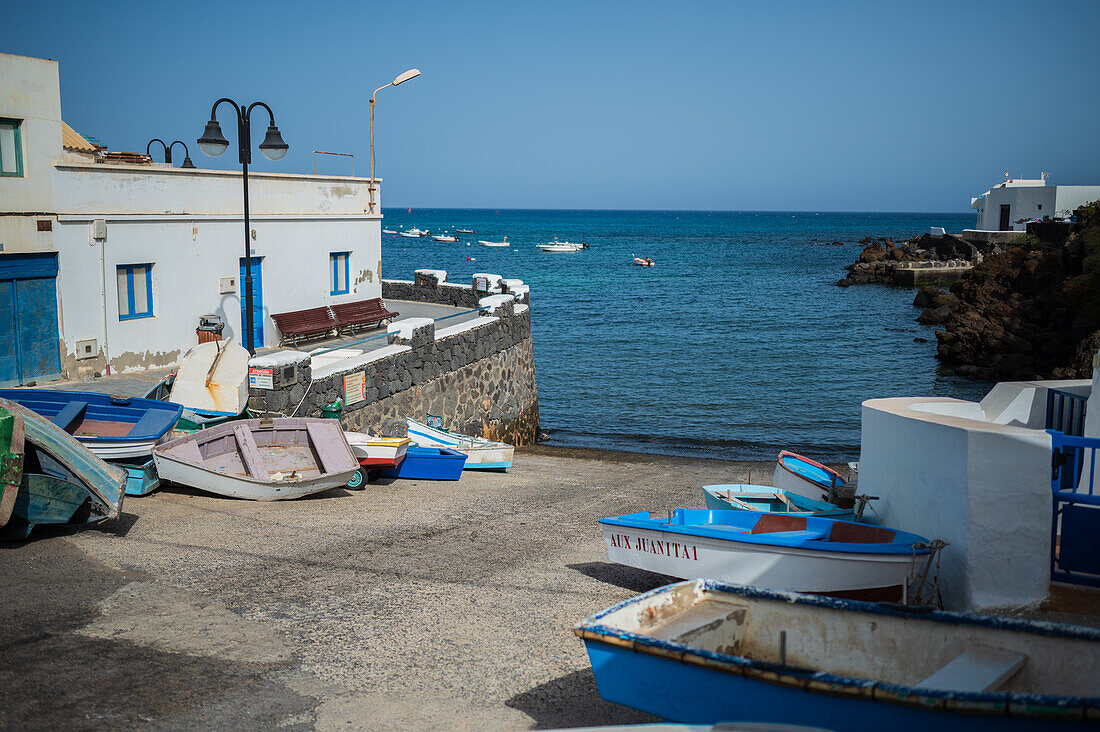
[11, 148]
[340, 270]
[135, 291]
[1040, 207]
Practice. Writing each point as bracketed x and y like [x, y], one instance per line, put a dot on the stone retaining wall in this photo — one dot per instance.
[478, 376]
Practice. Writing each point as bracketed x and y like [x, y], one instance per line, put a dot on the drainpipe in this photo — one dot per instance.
[103, 284]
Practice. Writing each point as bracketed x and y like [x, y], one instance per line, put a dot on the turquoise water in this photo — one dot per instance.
[735, 345]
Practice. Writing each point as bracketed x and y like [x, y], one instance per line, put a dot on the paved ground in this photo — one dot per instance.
[408, 605]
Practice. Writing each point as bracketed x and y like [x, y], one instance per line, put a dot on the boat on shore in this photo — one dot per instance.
[428, 463]
[141, 477]
[260, 459]
[481, 454]
[11, 461]
[704, 652]
[643, 261]
[744, 497]
[809, 478]
[778, 551]
[504, 243]
[374, 454]
[113, 427]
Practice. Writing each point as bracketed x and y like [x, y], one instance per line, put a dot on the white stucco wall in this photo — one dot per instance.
[1070, 197]
[1025, 203]
[982, 487]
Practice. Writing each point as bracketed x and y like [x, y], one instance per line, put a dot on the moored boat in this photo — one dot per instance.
[778, 551]
[704, 652]
[389, 231]
[481, 454]
[643, 261]
[444, 237]
[744, 497]
[465, 231]
[504, 243]
[565, 247]
[112, 427]
[428, 463]
[260, 459]
[806, 477]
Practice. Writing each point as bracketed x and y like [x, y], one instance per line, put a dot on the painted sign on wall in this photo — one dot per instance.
[355, 387]
[260, 378]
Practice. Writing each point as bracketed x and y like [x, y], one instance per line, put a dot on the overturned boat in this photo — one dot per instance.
[703, 652]
[481, 454]
[260, 459]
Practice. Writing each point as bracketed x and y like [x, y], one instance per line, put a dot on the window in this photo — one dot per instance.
[135, 291]
[340, 269]
[11, 148]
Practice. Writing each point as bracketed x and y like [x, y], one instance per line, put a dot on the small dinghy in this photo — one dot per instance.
[703, 652]
[389, 231]
[643, 261]
[444, 237]
[481, 454]
[428, 463]
[778, 551]
[190, 420]
[374, 454]
[743, 497]
[465, 231]
[809, 478]
[61, 480]
[504, 243]
[114, 428]
[260, 459]
[212, 380]
[141, 478]
[565, 246]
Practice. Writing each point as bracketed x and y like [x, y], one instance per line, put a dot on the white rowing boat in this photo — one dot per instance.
[482, 454]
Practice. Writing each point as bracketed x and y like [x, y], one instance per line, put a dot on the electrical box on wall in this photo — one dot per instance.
[86, 349]
[227, 285]
[99, 228]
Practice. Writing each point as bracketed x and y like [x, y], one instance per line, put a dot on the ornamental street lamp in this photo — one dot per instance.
[410, 74]
[168, 152]
[213, 143]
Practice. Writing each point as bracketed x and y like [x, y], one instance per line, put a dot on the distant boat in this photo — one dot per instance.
[742, 497]
[704, 652]
[481, 454]
[778, 551]
[113, 427]
[445, 237]
[429, 463]
[643, 261]
[809, 478]
[410, 234]
[465, 231]
[564, 246]
[62, 481]
[389, 231]
[504, 243]
[260, 459]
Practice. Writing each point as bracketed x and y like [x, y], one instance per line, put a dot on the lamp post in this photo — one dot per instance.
[213, 143]
[168, 151]
[401, 79]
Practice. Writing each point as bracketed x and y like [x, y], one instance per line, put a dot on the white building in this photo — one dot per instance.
[108, 265]
[1008, 206]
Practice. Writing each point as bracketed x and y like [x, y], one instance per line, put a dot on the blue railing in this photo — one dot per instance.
[1075, 525]
[1066, 412]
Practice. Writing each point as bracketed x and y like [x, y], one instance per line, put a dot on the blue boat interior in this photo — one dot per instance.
[811, 472]
[767, 498]
[90, 415]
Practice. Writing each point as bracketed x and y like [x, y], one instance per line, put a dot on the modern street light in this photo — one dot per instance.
[213, 143]
[168, 151]
[401, 79]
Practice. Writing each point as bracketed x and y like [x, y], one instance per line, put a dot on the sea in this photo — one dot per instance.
[735, 345]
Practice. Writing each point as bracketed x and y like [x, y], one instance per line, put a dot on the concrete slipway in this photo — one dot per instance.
[411, 605]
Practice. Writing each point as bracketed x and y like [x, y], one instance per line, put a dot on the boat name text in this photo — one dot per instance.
[655, 546]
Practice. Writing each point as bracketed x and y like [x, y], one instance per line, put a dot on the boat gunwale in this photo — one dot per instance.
[101, 399]
[826, 510]
[787, 453]
[1008, 703]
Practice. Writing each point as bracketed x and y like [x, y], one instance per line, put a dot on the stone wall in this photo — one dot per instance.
[479, 376]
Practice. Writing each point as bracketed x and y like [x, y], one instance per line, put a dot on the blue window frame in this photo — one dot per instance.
[341, 268]
[11, 148]
[135, 291]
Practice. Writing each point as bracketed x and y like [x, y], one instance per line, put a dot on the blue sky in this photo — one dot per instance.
[868, 106]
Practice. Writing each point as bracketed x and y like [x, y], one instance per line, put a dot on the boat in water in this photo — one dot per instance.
[389, 231]
[374, 454]
[61, 480]
[643, 261]
[564, 246]
[445, 237]
[113, 427]
[260, 459]
[465, 231]
[774, 550]
[504, 243]
[428, 463]
[704, 652]
[744, 497]
[481, 454]
[809, 478]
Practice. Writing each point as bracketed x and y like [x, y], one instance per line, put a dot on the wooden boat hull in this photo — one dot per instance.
[429, 463]
[481, 454]
[11, 461]
[807, 477]
[260, 459]
[141, 478]
[377, 452]
[800, 555]
[212, 380]
[759, 498]
[702, 652]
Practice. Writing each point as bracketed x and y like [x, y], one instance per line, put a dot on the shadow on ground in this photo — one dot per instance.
[573, 701]
[629, 578]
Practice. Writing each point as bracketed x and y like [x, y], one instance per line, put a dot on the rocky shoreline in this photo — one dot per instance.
[1029, 309]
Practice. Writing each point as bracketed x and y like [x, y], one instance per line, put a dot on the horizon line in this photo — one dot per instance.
[677, 210]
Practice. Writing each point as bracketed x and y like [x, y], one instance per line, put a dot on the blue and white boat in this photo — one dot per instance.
[428, 463]
[481, 454]
[747, 497]
[114, 428]
[702, 652]
[141, 477]
[799, 474]
[774, 550]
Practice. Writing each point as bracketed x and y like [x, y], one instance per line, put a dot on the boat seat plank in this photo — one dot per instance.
[326, 446]
[150, 422]
[250, 454]
[978, 669]
[69, 415]
[188, 451]
[808, 535]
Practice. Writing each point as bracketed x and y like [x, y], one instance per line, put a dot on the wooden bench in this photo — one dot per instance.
[300, 324]
[362, 313]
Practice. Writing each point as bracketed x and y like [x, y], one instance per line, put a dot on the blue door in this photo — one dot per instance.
[29, 341]
[257, 303]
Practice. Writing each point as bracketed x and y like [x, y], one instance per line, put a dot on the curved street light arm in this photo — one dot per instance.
[236, 108]
[186, 152]
[375, 92]
[167, 150]
[248, 112]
